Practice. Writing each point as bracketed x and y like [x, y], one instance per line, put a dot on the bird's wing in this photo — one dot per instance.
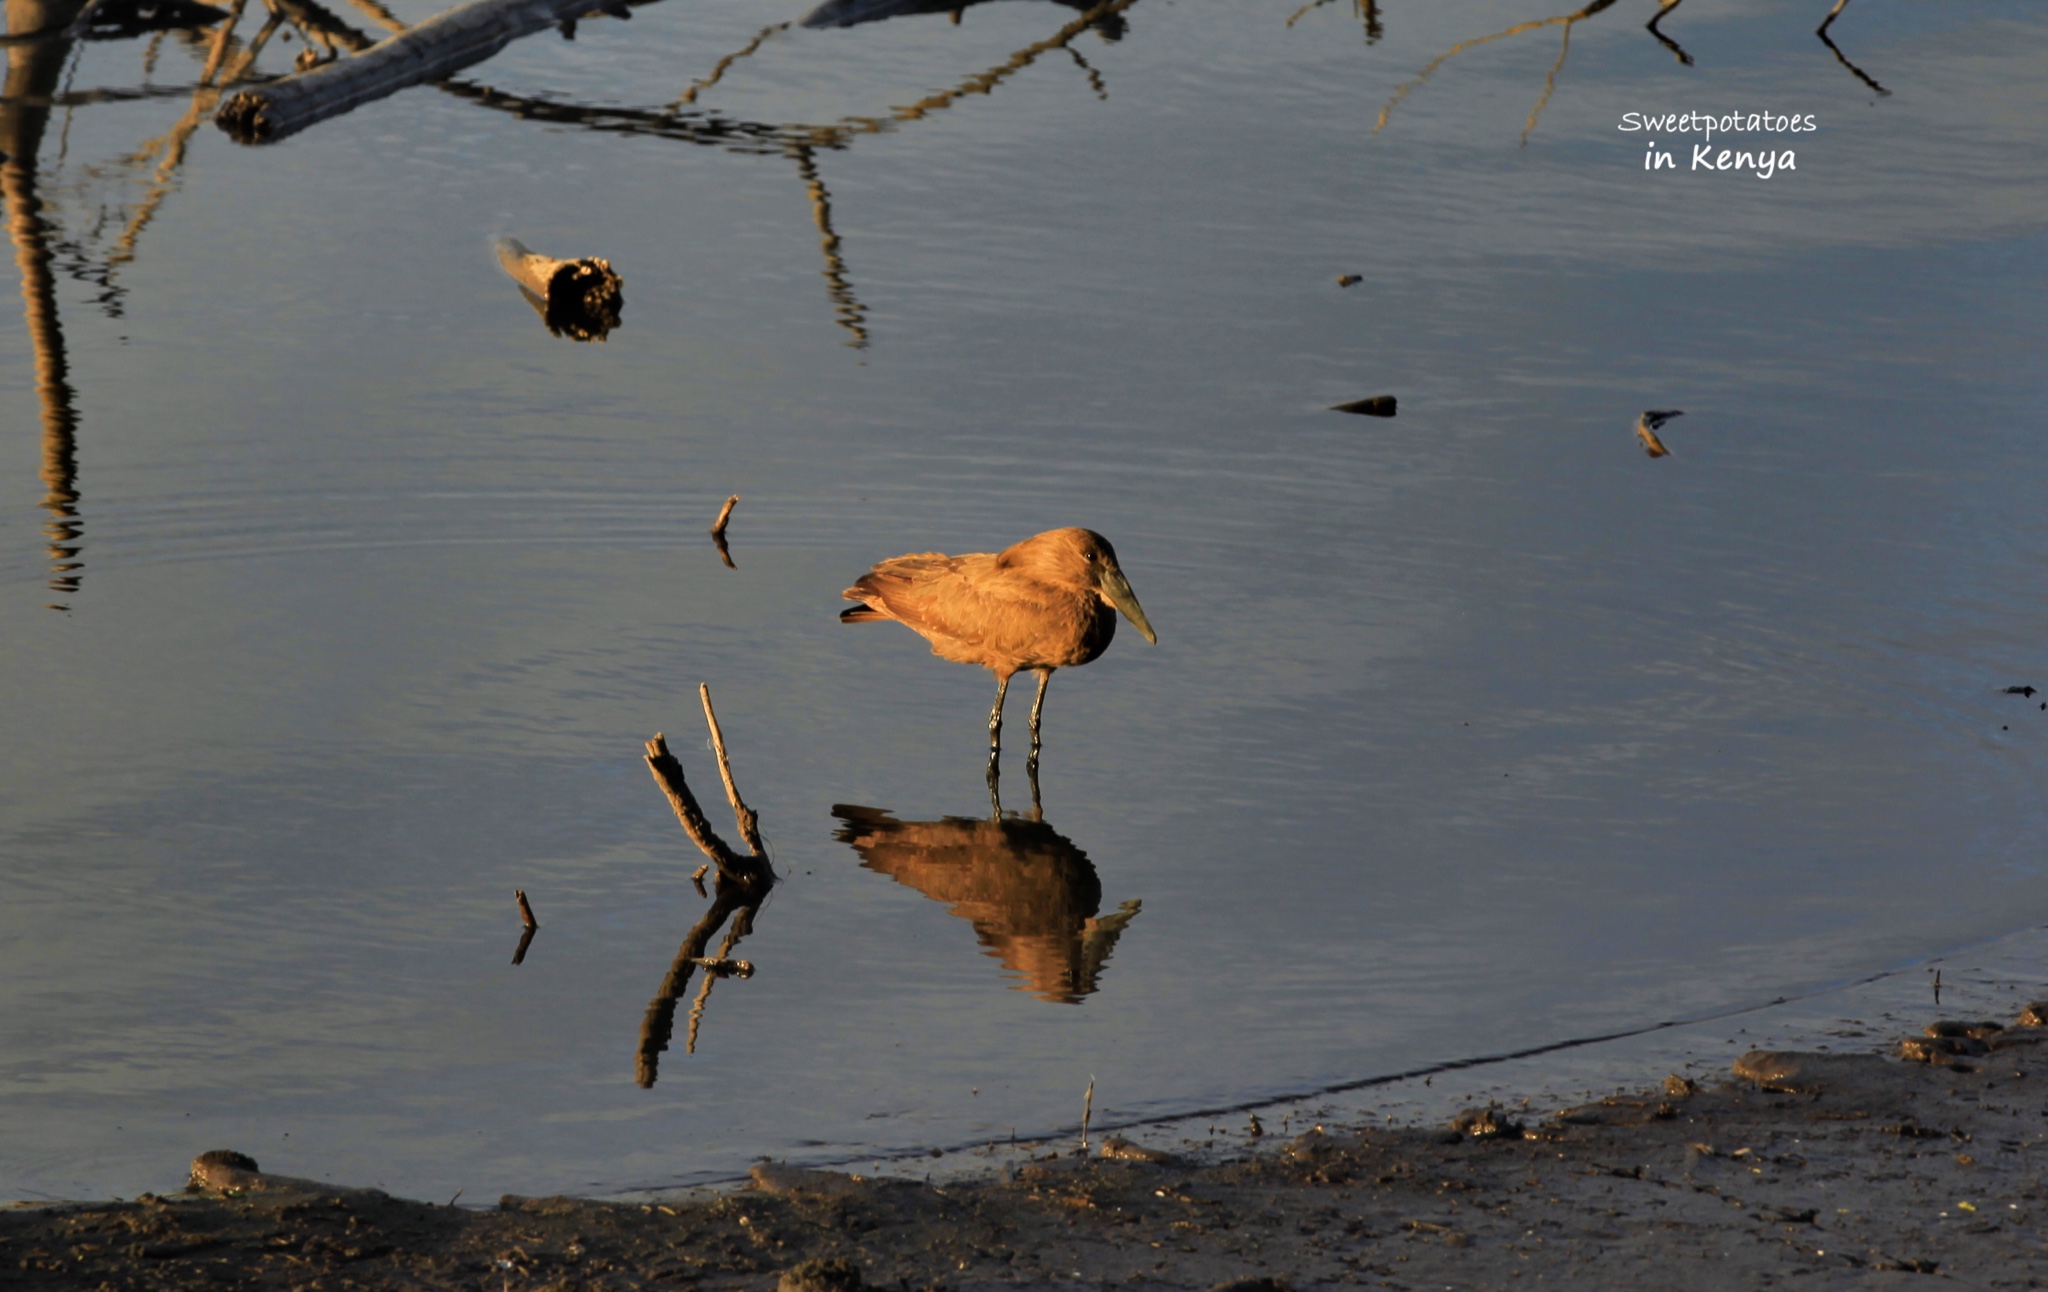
[961, 601]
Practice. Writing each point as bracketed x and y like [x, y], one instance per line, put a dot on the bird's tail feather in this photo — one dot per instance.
[862, 615]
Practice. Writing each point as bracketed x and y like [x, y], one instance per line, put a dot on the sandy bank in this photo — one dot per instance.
[1832, 1169]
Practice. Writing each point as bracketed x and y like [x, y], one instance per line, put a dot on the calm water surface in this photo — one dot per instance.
[1468, 730]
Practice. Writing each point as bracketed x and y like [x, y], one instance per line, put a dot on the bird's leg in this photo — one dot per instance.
[1037, 708]
[995, 720]
[995, 793]
[1031, 770]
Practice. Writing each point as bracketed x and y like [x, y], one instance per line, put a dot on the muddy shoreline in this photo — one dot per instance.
[1835, 1169]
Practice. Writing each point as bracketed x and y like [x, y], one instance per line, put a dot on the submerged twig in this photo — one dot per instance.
[742, 884]
[724, 516]
[532, 925]
[718, 531]
[668, 773]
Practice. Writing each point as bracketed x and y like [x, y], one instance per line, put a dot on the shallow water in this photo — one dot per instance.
[1469, 730]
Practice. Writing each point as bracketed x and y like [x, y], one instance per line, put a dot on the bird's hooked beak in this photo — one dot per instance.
[1117, 589]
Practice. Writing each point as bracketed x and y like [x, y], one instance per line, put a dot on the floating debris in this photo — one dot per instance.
[725, 968]
[1377, 406]
[1345, 280]
[2027, 691]
[579, 299]
[1647, 426]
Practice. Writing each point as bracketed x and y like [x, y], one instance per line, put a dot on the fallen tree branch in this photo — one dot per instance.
[439, 47]
[580, 299]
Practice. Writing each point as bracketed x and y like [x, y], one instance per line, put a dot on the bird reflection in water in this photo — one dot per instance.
[744, 881]
[1031, 895]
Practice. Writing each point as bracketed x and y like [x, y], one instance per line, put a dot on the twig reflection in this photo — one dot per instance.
[847, 310]
[1366, 10]
[34, 70]
[1840, 57]
[718, 72]
[1567, 20]
[1664, 7]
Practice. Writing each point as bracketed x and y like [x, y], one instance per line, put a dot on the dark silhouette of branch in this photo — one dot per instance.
[1822, 32]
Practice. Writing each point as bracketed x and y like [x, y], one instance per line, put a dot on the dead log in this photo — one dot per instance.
[575, 298]
[437, 48]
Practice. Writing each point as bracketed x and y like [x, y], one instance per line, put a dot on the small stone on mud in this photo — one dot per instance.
[1485, 1123]
[836, 1274]
[1680, 1087]
[1939, 1050]
[774, 1177]
[1953, 1027]
[1117, 1148]
[1254, 1285]
[226, 1157]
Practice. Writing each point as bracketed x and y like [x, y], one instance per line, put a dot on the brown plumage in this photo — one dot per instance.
[1045, 603]
[1649, 424]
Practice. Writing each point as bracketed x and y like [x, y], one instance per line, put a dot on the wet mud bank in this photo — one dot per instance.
[1839, 1170]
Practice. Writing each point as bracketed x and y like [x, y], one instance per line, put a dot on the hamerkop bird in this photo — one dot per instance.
[1045, 603]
